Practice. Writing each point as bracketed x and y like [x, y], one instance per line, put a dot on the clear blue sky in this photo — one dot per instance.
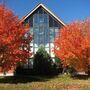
[67, 10]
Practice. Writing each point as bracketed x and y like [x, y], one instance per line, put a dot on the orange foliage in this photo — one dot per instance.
[12, 38]
[73, 45]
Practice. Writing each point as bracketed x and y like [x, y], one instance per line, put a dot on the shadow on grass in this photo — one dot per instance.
[24, 79]
[81, 77]
[20, 79]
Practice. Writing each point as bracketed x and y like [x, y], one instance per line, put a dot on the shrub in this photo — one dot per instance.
[42, 62]
[21, 71]
[57, 67]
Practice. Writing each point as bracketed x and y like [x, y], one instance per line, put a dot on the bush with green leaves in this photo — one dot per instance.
[42, 62]
[59, 66]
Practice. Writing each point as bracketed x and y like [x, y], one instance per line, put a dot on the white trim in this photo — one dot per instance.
[7, 74]
[46, 10]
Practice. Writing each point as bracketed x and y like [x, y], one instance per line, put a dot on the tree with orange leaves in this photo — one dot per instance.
[72, 45]
[14, 42]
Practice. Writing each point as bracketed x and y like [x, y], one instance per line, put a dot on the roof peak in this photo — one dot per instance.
[43, 6]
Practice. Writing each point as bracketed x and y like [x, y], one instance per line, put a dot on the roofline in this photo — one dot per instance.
[46, 10]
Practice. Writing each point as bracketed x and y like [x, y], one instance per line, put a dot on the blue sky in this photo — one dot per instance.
[66, 10]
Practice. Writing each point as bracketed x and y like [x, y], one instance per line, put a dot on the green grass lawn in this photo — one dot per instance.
[60, 82]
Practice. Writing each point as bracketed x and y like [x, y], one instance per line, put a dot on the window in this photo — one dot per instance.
[50, 21]
[47, 45]
[47, 49]
[31, 31]
[40, 11]
[36, 49]
[35, 19]
[52, 33]
[35, 45]
[46, 19]
[41, 40]
[44, 28]
[56, 24]
[41, 19]
[41, 28]
[46, 36]
[31, 21]
[56, 31]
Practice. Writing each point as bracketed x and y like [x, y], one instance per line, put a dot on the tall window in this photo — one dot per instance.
[44, 28]
[41, 28]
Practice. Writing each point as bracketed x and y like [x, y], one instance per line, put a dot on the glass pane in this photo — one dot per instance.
[56, 29]
[35, 38]
[41, 40]
[51, 45]
[40, 11]
[51, 39]
[36, 49]
[50, 21]
[36, 19]
[41, 18]
[56, 32]
[31, 31]
[56, 24]
[41, 28]
[47, 49]
[35, 45]
[47, 45]
[45, 18]
[46, 36]
[52, 34]
[31, 21]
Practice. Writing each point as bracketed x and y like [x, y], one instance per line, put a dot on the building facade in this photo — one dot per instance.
[44, 27]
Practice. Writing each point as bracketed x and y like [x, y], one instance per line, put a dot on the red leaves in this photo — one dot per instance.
[12, 39]
[73, 45]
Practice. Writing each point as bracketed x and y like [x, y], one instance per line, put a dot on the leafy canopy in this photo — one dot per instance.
[73, 45]
[14, 45]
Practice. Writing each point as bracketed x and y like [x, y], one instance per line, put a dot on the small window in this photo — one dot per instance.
[46, 18]
[41, 18]
[35, 18]
[40, 10]
[31, 21]
[56, 24]
[50, 21]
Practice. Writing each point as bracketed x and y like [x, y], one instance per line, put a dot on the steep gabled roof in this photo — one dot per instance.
[46, 9]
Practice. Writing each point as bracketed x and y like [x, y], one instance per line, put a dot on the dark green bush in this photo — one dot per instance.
[42, 62]
[59, 66]
[21, 71]
[42, 65]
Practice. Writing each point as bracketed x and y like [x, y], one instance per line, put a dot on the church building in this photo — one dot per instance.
[44, 27]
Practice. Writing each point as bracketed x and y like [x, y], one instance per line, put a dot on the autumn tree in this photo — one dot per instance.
[72, 45]
[14, 42]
